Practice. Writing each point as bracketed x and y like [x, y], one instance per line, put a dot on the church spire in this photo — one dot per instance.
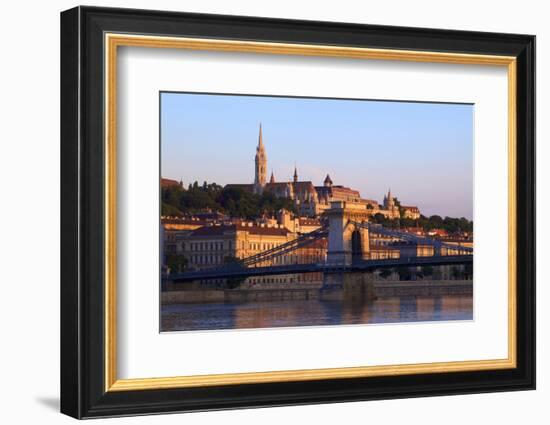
[272, 179]
[260, 175]
[295, 174]
[260, 139]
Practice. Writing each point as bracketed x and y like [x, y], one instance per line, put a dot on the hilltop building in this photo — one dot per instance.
[311, 200]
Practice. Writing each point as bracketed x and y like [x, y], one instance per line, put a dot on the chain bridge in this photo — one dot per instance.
[348, 232]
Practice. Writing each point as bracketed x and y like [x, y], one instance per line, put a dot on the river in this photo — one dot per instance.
[314, 312]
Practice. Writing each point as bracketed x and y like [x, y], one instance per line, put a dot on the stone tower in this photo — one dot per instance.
[261, 164]
[389, 201]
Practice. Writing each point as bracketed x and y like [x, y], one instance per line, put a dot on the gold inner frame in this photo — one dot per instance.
[113, 41]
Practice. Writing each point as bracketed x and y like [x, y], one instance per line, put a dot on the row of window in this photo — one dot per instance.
[207, 259]
[206, 246]
[218, 246]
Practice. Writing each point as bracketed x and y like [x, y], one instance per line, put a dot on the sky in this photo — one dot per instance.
[422, 151]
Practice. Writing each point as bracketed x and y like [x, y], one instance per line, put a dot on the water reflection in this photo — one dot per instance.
[314, 312]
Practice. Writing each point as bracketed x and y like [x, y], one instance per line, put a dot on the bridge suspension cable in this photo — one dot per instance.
[299, 242]
[377, 228]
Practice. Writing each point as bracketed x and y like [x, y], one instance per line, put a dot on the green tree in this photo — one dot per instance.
[468, 271]
[169, 210]
[234, 282]
[427, 271]
[385, 273]
[404, 273]
[176, 263]
[456, 273]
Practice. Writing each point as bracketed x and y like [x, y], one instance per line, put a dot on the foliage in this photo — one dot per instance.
[176, 263]
[233, 201]
[385, 273]
[234, 282]
[403, 272]
[170, 210]
[449, 224]
[380, 218]
[427, 271]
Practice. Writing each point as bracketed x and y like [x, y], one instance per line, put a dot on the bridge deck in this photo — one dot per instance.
[364, 265]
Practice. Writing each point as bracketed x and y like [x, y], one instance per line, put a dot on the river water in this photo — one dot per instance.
[314, 312]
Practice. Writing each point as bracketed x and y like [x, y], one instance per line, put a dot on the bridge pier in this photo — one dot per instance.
[347, 242]
[348, 285]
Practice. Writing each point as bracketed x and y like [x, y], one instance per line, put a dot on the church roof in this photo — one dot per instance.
[243, 186]
[168, 182]
[306, 185]
[277, 185]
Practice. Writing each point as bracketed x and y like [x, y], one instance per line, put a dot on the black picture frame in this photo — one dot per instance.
[83, 392]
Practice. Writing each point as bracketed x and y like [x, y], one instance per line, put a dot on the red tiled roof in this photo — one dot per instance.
[304, 185]
[255, 230]
[243, 186]
[182, 220]
[213, 230]
[168, 182]
[276, 184]
[345, 190]
[271, 231]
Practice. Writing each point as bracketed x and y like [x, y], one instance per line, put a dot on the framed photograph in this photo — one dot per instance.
[261, 212]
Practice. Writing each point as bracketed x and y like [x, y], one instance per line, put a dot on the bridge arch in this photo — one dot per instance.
[347, 241]
[356, 246]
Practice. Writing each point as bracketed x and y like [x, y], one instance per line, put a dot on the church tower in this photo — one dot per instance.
[389, 201]
[261, 164]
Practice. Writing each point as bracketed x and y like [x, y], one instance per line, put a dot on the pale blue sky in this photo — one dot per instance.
[422, 151]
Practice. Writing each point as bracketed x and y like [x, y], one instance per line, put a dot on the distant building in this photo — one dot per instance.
[220, 244]
[311, 200]
[169, 183]
[411, 212]
[440, 233]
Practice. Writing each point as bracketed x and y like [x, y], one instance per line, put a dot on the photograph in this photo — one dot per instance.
[283, 211]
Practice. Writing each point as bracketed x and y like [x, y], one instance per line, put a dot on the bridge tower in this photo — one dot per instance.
[346, 241]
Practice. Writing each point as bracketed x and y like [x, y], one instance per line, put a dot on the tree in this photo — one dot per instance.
[176, 263]
[379, 218]
[403, 272]
[232, 261]
[456, 273]
[468, 271]
[169, 210]
[427, 271]
[397, 203]
[385, 273]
